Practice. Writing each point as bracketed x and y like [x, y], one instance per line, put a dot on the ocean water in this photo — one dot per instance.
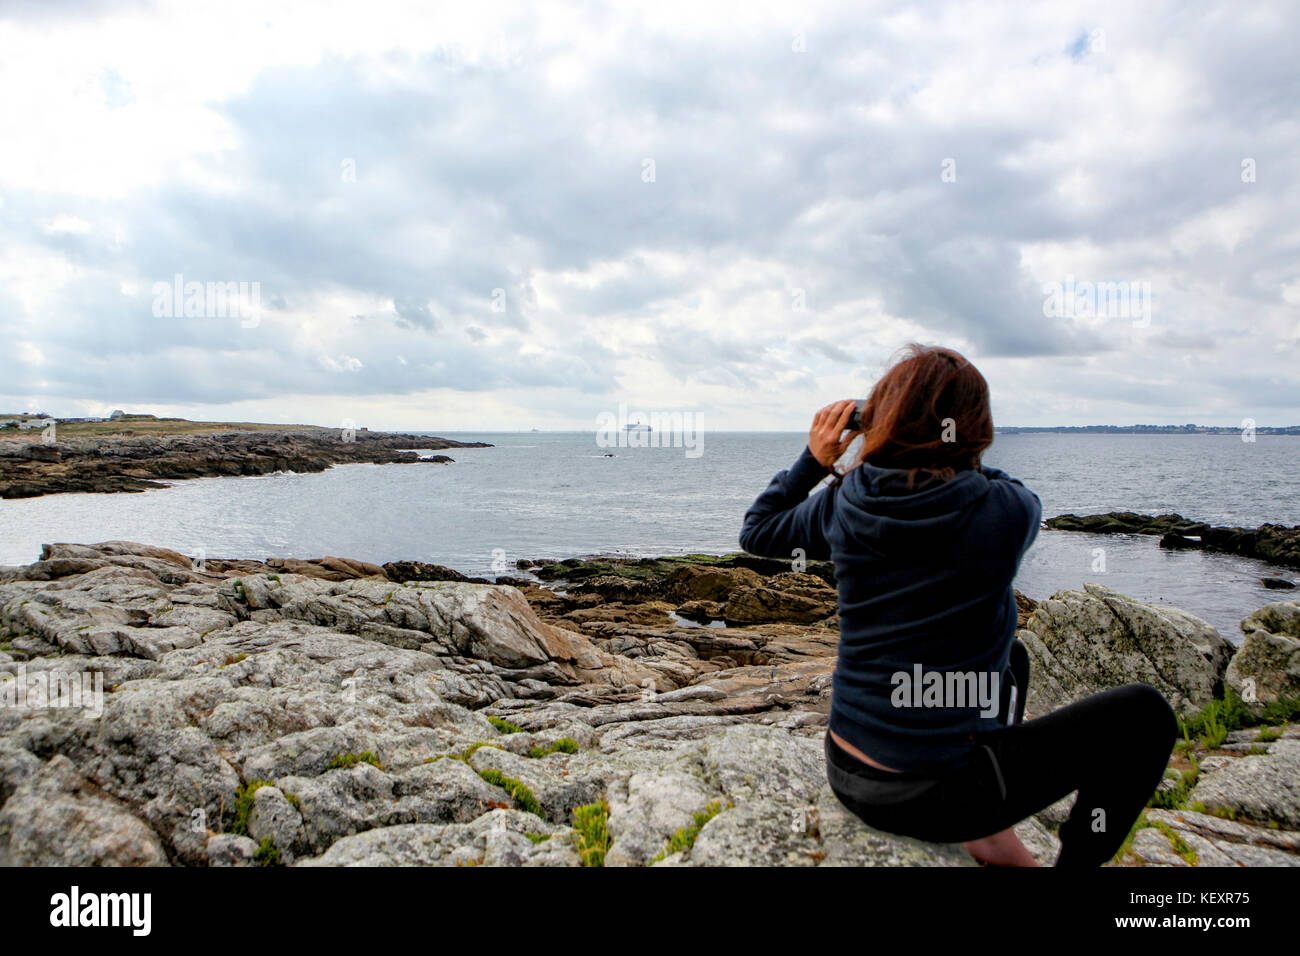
[558, 494]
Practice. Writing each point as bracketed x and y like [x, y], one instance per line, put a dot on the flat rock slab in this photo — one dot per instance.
[1263, 788]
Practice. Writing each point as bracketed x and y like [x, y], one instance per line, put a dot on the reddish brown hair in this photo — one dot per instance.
[928, 413]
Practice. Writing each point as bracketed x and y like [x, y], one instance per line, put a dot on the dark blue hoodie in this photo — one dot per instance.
[924, 578]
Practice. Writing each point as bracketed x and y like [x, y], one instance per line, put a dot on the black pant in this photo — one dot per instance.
[1112, 748]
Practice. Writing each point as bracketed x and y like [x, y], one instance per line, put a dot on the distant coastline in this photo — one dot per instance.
[1148, 429]
[28, 425]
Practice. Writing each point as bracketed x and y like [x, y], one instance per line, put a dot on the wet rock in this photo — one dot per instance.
[702, 611]
[646, 612]
[792, 598]
[403, 571]
[708, 583]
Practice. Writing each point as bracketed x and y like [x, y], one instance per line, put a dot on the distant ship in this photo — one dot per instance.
[637, 427]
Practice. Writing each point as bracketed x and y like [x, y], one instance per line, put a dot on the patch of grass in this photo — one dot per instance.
[349, 760]
[1223, 813]
[593, 839]
[1232, 713]
[565, 745]
[293, 800]
[505, 726]
[1176, 799]
[538, 837]
[1268, 735]
[684, 838]
[1177, 842]
[1228, 714]
[233, 659]
[464, 754]
[519, 792]
[244, 805]
[267, 853]
[1215, 731]
[1281, 711]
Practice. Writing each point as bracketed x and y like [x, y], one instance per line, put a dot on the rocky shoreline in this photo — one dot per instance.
[1274, 543]
[595, 711]
[131, 463]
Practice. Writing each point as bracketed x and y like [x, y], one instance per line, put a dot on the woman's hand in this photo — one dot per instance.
[824, 439]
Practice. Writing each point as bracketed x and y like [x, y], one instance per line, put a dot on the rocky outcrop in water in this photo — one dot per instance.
[253, 715]
[137, 463]
[1274, 543]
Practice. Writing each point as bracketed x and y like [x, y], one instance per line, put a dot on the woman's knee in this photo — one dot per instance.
[1150, 711]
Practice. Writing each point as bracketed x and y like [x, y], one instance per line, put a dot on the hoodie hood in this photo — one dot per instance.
[875, 507]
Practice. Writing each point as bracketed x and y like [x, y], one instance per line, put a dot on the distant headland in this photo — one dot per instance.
[42, 455]
[1152, 429]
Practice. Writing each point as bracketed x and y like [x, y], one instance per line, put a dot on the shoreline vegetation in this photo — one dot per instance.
[590, 711]
[134, 453]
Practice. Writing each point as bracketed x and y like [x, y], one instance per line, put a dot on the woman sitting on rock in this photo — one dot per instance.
[926, 736]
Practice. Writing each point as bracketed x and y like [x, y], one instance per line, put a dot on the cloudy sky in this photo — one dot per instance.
[523, 215]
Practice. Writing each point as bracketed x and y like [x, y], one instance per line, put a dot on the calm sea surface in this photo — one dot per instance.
[556, 494]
